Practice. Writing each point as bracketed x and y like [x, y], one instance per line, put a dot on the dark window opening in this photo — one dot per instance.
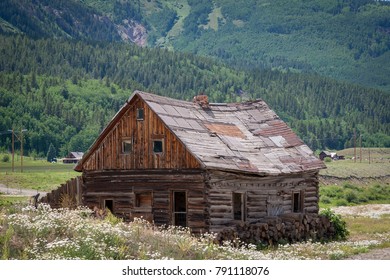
[297, 202]
[157, 146]
[143, 200]
[180, 209]
[127, 146]
[109, 204]
[140, 114]
[238, 206]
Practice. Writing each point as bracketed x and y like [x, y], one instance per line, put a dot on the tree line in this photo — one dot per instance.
[64, 92]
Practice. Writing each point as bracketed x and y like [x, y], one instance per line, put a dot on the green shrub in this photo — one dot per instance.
[332, 191]
[351, 196]
[325, 199]
[340, 226]
[351, 187]
[5, 158]
[362, 198]
[341, 202]
[328, 159]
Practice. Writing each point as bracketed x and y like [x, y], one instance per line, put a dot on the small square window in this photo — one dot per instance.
[140, 114]
[127, 146]
[157, 146]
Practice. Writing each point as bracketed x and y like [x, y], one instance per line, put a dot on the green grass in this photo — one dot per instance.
[7, 201]
[348, 168]
[374, 162]
[37, 174]
[362, 226]
[349, 195]
[349, 182]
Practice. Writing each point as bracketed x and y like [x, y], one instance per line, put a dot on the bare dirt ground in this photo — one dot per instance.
[369, 210]
[22, 192]
[376, 254]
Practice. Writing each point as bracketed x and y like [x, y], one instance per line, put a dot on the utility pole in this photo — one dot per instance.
[13, 151]
[369, 156]
[21, 149]
[354, 145]
[360, 148]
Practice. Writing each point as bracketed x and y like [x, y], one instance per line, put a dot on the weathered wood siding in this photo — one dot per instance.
[264, 196]
[109, 154]
[122, 187]
[66, 195]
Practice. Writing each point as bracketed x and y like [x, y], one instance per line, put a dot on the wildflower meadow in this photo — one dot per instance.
[44, 233]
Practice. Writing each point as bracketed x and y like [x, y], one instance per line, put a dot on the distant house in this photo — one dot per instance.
[334, 156]
[198, 164]
[73, 157]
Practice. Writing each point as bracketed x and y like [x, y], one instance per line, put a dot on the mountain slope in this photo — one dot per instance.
[344, 39]
[348, 40]
[64, 92]
[70, 19]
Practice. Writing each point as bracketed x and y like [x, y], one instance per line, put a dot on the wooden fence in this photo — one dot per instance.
[66, 195]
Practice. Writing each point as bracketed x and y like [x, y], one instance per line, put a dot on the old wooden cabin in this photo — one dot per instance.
[205, 166]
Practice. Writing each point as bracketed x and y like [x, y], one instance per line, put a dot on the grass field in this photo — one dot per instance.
[374, 163]
[37, 174]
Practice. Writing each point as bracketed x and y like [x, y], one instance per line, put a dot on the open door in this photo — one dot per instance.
[179, 208]
[109, 204]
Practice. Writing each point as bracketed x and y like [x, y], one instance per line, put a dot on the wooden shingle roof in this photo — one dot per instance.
[242, 137]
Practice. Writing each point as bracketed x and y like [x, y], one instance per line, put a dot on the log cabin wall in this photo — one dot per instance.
[150, 194]
[261, 197]
[140, 134]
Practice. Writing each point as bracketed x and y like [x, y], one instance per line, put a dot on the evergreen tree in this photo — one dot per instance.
[51, 153]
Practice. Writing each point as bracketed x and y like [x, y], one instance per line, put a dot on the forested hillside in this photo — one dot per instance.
[347, 40]
[344, 39]
[64, 92]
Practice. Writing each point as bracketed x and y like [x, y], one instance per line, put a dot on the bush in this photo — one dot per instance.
[340, 226]
[341, 202]
[351, 187]
[325, 199]
[351, 196]
[5, 158]
[328, 159]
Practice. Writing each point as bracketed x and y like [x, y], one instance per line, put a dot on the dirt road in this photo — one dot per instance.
[22, 192]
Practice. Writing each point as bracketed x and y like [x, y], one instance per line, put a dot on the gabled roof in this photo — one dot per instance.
[243, 137]
[75, 155]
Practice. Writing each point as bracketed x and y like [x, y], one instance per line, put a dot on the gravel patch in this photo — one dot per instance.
[376, 254]
[370, 210]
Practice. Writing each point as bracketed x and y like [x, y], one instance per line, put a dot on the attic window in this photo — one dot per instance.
[127, 146]
[157, 146]
[140, 114]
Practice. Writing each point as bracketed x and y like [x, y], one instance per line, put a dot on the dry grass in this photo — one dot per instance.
[374, 164]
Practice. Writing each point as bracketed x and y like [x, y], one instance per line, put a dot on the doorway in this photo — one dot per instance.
[179, 208]
[109, 204]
